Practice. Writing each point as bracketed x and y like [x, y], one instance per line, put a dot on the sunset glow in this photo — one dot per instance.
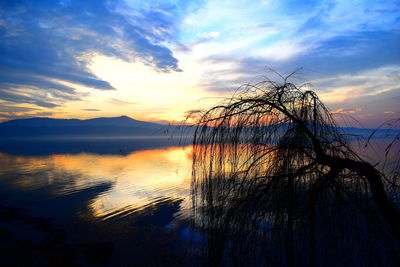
[155, 60]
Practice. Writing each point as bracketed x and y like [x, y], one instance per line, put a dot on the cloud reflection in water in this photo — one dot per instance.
[137, 180]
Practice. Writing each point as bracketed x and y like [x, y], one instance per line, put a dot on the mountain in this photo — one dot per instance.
[365, 132]
[114, 126]
[122, 126]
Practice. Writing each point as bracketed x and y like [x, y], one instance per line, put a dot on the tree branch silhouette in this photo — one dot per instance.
[270, 160]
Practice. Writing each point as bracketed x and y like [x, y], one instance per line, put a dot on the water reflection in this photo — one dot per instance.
[135, 180]
[134, 206]
[259, 205]
[130, 207]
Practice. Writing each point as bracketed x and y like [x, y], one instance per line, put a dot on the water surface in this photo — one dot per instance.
[129, 204]
[115, 202]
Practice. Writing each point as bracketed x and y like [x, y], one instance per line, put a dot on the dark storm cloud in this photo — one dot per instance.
[44, 42]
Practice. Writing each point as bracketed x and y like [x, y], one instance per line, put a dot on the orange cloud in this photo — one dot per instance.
[346, 110]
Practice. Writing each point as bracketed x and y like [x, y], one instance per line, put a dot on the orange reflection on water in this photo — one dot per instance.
[143, 177]
[136, 180]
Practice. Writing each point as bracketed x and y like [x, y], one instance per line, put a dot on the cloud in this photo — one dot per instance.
[91, 109]
[15, 112]
[13, 116]
[338, 88]
[48, 47]
[120, 102]
[13, 109]
[45, 42]
[209, 35]
[350, 53]
[21, 98]
[346, 110]
[340, 55]
[281, 51]
[374, 95]
[373, 107]
[326, 38]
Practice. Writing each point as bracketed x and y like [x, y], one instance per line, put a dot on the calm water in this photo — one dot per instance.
[113, 202]
[118, 202]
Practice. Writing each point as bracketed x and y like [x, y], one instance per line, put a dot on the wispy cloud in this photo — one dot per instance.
[339, 88]
[373, 94]
[91, 109]
[120, 102]
[348, 49]
[46, 41]
[13, 109]
[13, 116]
[346, 110]
[324, 37]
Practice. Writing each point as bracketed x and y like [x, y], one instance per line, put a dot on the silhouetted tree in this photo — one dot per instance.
[276, 183]
[393, 148]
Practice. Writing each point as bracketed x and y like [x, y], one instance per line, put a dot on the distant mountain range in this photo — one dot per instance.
[114, 126]
[377, 133]
[119, 126]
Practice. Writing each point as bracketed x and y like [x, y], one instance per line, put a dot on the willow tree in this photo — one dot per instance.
[275, 182]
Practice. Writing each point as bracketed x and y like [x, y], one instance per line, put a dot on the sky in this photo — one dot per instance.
[155, 60]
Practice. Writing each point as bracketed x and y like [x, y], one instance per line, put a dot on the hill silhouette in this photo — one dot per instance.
[122, 126]
[112, 126]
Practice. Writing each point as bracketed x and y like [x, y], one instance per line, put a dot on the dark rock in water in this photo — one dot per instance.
[99, 253]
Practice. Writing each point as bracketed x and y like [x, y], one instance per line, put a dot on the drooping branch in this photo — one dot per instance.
[273, 154]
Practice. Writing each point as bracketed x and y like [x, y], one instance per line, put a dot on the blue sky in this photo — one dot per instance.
[156, 59]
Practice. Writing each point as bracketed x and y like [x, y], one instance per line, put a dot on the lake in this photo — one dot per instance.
[115, 202]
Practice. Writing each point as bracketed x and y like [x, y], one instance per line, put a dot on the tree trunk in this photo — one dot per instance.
[374, 178]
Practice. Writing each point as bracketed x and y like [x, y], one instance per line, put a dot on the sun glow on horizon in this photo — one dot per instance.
[147, 94]
[156, 60]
